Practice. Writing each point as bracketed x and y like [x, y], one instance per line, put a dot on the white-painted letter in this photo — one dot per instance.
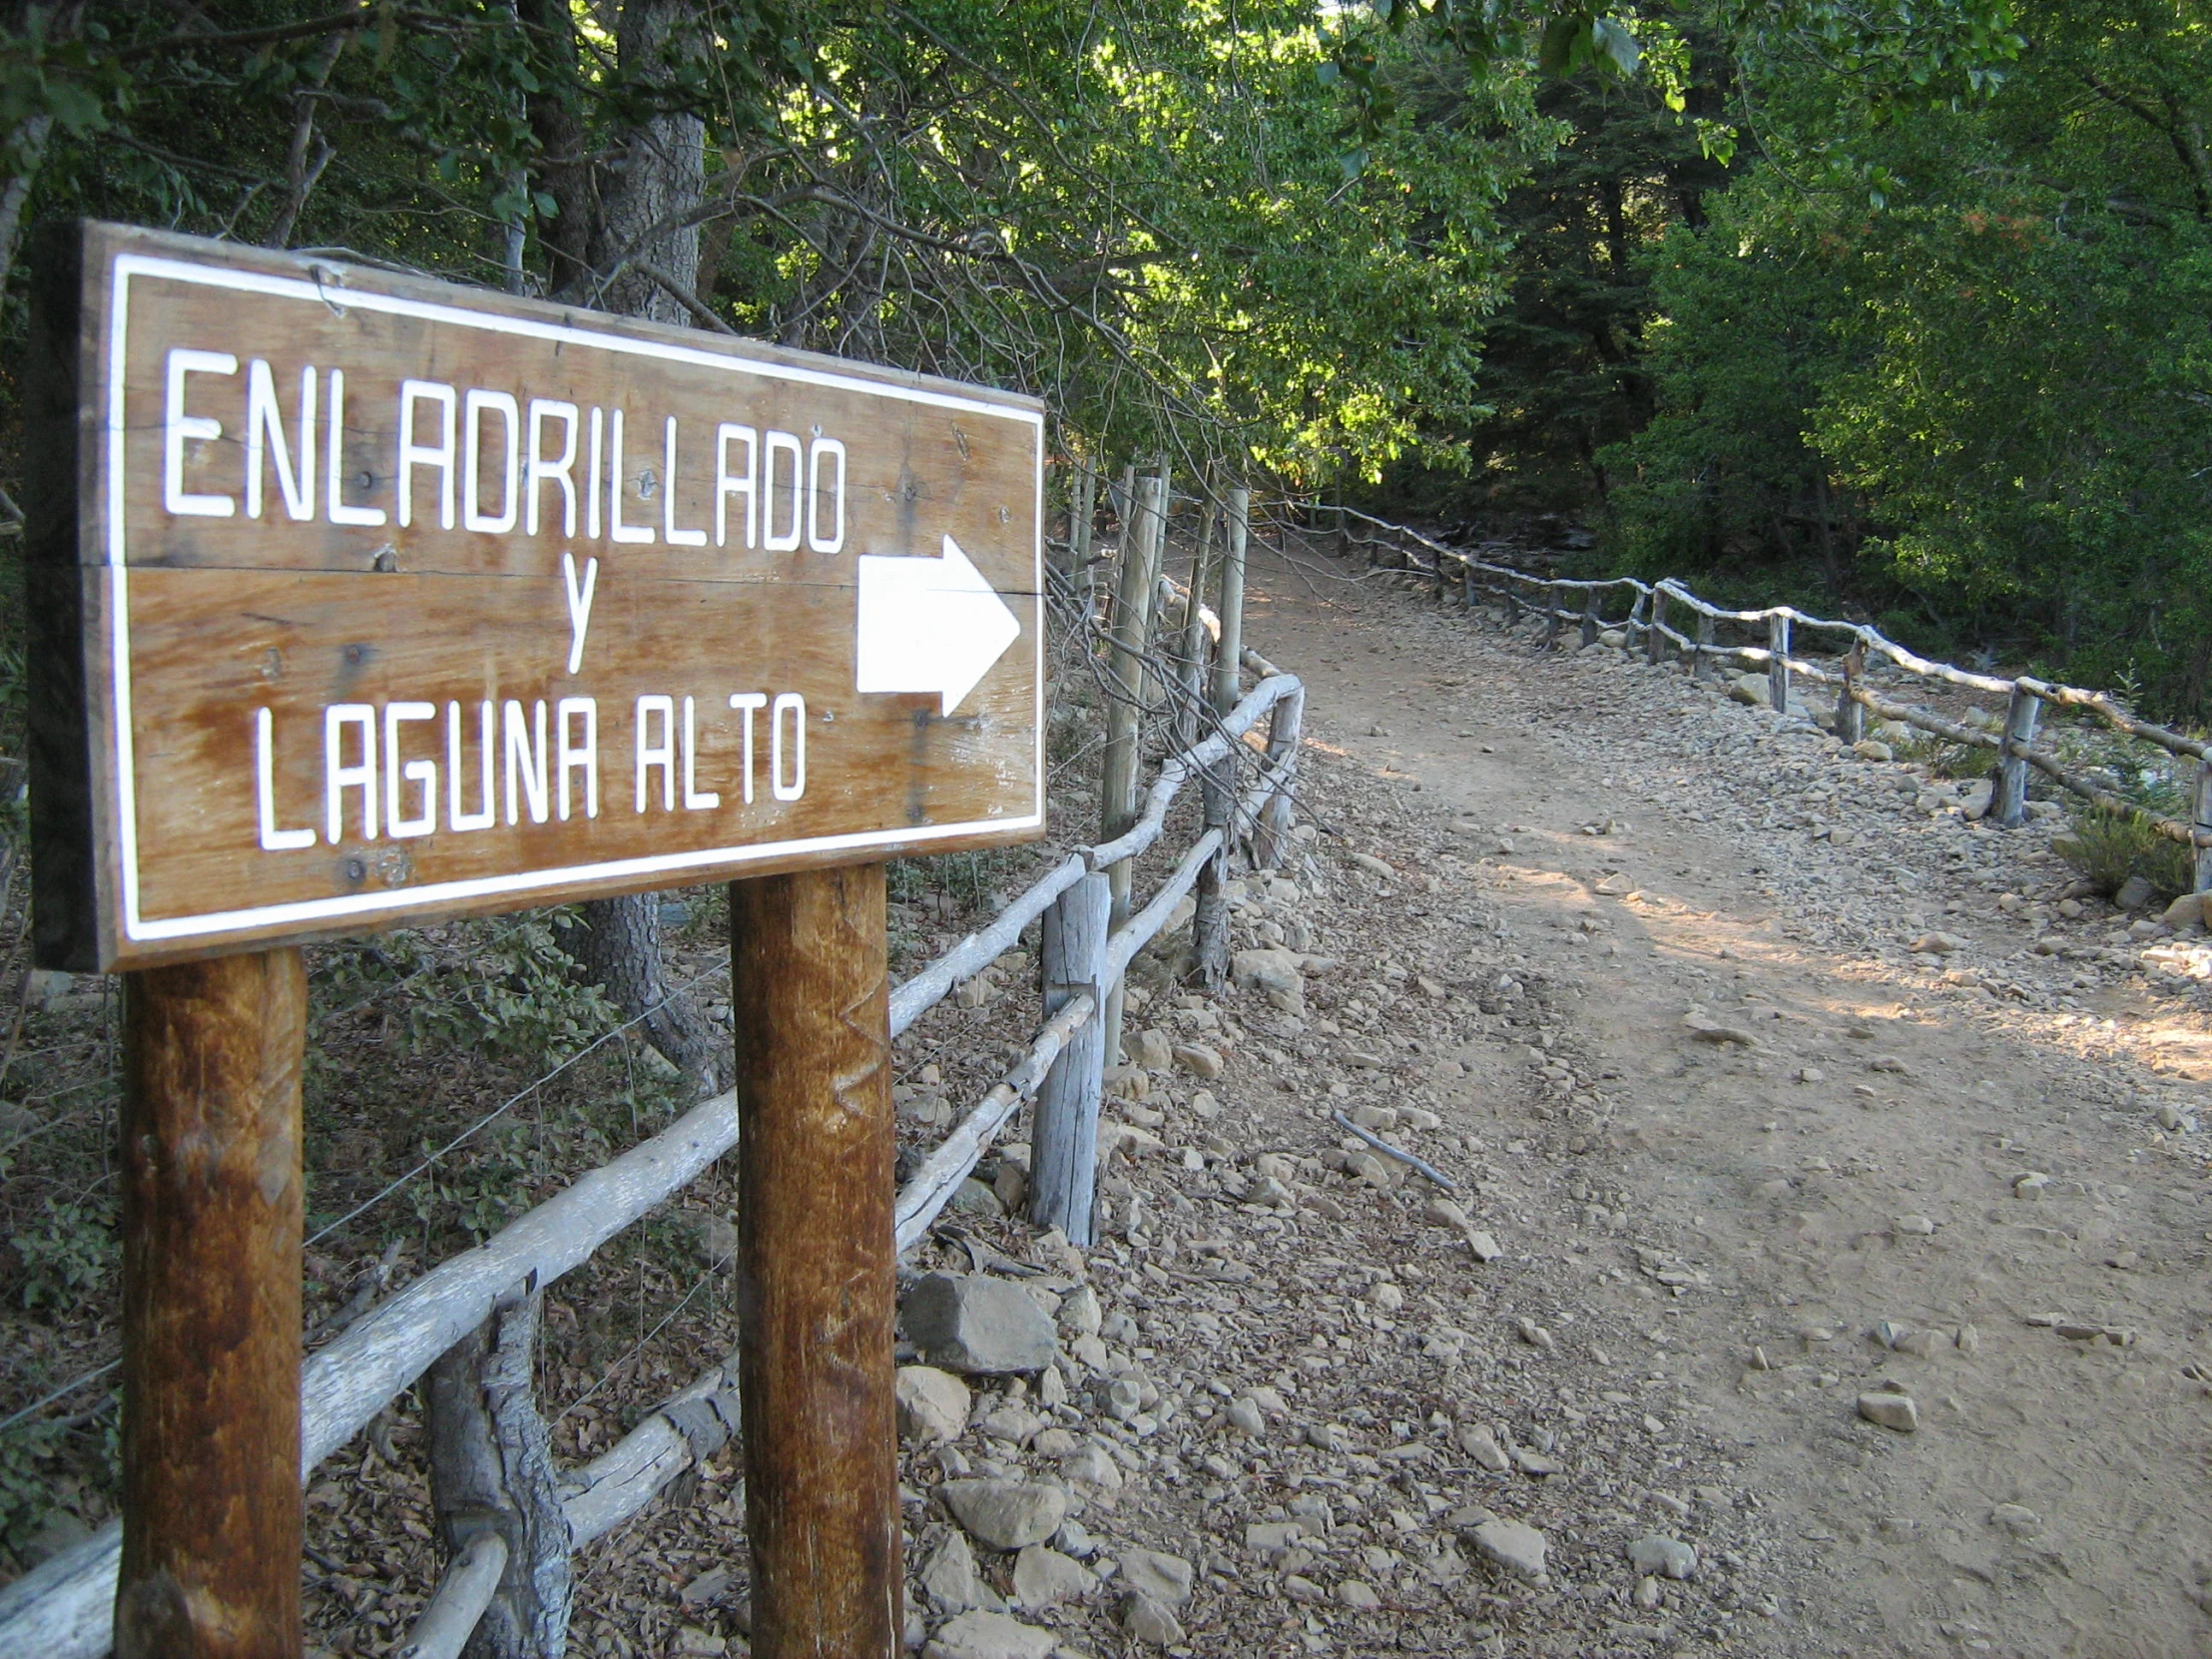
[728, 483]
[562, 471]
[616, 529]
[680, 538]
[455, 817]
[413, 454]
[788, 702]
[333, 477]
[423, 774]
[338, 777]
[177, 427]
[591, 475]
[579, 604]
[662, 753]
[823, 449]
[774, 540]
[532, 759]
[748, 702]
[579, 756]
[695, 798]
[472, 515]
[274, 839]
[264, 432]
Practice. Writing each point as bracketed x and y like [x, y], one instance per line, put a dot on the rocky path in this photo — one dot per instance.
[1800, 1291]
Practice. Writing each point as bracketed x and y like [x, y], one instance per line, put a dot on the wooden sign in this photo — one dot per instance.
[363, 599]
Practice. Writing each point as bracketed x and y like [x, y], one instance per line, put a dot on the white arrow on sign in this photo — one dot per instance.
[930, 625]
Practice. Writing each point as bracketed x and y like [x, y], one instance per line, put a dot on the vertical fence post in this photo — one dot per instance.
[491, 1471]
[1778, 662]
[1591, 627]
[2201, 817]
[1190, 662]
[1701, 656]
[1272, 832]
[1118, 772]
[1850, 714]
[1554, 601]
[1063, 1153]
[212, 1226]
[1082, 527]
[2008, 803]
[1655, 639]
[1210, 918]
[810, 1004]
[1514, 605]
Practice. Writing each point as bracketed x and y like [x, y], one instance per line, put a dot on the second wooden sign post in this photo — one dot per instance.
[361, 600]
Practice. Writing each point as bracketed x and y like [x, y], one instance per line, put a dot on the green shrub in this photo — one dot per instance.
[2109, 847]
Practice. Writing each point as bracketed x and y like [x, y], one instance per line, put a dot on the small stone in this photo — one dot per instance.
[1147, 1621]
[1199, 1060]
[1304, 1591]
[1006, 1514]
[1869, 749]
[1938, 944]
[1377, 1118]
[933, 1404]
[1418, 1117]
[707, 1588]
[1922, 1345]
[2017, 1519]
[2135, 893]
[1150, 1049]
[1044, 1577]
[1243, 1414]
[2031, 1185]
[1373, 865]
[2186, 912]
[1092, 1468]
[1080, 1312]
[982, 1635]
[1891, 1410]
[1889, 1333]
[1485, 1246]
[2168, 1118]
[1921, 1225]
[1441, 1212]
[973, 1198]
[1663, 1556]
[1969, 1340]
[1480, 1444]
[1535, 1335]
[1165, 1578]
[1516, 1548]
[1647, 1595]
[974, 1323]
[1386, 1296]
[1361, 1598]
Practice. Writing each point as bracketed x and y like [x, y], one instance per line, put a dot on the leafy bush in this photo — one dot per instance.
[70, 1252]
[2109, 847]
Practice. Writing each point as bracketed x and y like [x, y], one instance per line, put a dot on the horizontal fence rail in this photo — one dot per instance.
[63, 1610]
[1454, 570]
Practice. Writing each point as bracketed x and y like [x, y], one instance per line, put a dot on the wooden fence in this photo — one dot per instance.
[473, 1315]
[1590, 607]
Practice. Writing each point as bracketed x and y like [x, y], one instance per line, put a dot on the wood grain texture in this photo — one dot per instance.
[695, 530]
[810, 1000]
[212, 1214]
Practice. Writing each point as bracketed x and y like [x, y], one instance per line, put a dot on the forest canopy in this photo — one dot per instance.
[1897, 306]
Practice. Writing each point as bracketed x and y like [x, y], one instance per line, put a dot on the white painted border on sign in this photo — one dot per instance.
[306, 912]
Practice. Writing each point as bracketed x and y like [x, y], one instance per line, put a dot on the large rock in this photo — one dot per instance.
[1510, 1544]
[1891, 1410]
[1006, 1514]
[953, 1581]
[2135, 893]
[970, 1323]
[1146, 1621]
[1662, 1556]
[1275, 975]
[1044, 1576]
[933, 1404]
[989, 1636]
[1165, 1578]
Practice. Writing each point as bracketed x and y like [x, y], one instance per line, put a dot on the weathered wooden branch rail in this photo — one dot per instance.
[1454, 570]
[64, 1608]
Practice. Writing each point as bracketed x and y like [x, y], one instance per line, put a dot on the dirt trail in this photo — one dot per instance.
[1855, 1164]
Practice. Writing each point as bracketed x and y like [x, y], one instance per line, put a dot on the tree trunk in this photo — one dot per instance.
[651, 180]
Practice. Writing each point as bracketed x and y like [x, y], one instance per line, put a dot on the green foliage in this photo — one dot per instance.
[71, 1250]
[2109, 847]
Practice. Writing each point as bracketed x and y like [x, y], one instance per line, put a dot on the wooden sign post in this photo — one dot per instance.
[361, 600]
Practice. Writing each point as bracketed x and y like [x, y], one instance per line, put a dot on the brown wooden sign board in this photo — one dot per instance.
[363, 599]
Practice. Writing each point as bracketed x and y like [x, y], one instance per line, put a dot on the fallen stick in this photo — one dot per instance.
[1382, 1145]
